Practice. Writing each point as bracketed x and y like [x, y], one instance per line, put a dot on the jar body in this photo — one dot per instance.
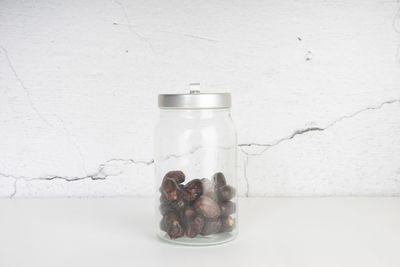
[195, 171]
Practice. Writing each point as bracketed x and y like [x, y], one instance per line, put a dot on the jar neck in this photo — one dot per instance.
[195, 113]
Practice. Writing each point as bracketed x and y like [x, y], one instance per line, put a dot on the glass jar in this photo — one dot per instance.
[195, 169]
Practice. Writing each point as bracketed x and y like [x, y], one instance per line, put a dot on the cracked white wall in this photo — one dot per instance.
[316, 92]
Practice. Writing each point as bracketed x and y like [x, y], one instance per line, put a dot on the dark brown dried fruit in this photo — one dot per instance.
[190, 231]
[226, 192]
[195, 226]
[227, 224]
[227, 208]
[178, 204]
[163, 199]
[170, 189]
[193, 190]
[207, 207]
[177, 176]
[170, 217]
[199, 207]
[172, 225]
[165, 208]
[189, 213]
[219, 179]
[212, 227]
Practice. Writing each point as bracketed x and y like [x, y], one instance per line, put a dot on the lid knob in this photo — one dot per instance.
[194, 88]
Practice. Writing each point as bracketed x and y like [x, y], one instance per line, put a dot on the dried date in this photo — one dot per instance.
[212, 227]
[226, 192]
[170, 189]
[192, 190]
[207, 207]
[201, 206]
[227, 208]
[194, 226]
[227, 224]
[219, 179]
[177, 176]
[172, 225]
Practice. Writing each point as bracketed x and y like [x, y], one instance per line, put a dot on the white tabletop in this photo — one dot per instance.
[273, 232]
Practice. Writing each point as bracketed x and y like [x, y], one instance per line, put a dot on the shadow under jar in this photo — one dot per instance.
[195, 169]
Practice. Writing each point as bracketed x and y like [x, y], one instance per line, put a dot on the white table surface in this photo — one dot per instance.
[273, 232]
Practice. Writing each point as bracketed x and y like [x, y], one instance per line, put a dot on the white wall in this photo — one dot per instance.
[315, 84]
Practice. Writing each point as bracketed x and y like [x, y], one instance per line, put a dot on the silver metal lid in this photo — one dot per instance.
[194, 100]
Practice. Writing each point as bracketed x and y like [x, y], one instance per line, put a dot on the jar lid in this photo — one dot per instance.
[194, 100]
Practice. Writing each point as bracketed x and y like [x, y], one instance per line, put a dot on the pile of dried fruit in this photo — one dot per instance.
[201, 206]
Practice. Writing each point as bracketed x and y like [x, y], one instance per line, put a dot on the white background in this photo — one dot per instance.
[315, 84]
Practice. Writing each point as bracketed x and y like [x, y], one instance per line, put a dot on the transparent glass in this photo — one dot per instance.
[199, 145]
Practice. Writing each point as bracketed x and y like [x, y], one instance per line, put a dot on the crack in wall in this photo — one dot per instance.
[102, 173]
[72, 141]
[15, 189]
[194, 150]
[198, 37]
[191, 151]
[311, 129]
[34, 108]
[21, 83]
[128, 21]
[192, 36]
